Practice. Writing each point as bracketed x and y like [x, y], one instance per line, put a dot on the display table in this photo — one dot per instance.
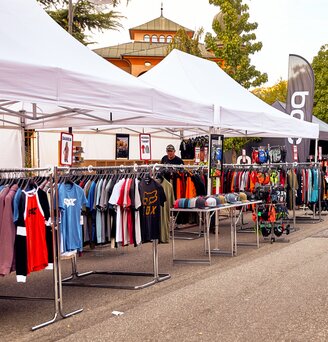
[205, 216]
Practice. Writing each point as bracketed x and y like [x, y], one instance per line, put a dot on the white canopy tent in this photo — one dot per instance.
[50, 80]
[323, 127]
[236, 111]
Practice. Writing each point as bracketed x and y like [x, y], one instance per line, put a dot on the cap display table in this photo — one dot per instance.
[205, 215]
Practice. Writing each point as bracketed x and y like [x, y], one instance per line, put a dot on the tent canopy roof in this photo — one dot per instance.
[51, 80]
[323, 127]
[236, 111]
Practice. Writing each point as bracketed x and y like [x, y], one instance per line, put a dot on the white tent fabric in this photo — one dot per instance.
[11, 148]
[323, 127]
[237, 112]
[52, 80]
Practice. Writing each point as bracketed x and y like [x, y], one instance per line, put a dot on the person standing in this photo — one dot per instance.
[170, 157]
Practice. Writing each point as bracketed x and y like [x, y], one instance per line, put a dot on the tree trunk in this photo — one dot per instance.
[234, 156]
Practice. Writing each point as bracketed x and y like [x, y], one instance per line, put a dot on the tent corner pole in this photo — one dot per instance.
[23, 141]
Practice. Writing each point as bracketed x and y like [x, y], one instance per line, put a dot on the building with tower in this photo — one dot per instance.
[148, 46]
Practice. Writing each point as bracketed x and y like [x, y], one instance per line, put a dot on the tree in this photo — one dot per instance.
[91, 15]
[320, 69]
[183, 42]
[235, 42]
[277, 92]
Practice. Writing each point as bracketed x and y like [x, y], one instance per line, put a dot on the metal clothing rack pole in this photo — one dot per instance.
[56, 299]
[57, 264]
[73, 279]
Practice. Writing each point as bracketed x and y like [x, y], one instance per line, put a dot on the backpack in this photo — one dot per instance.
[275, 155]
[263, 155]
[255, 157]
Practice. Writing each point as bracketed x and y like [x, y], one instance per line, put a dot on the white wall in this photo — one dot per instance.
[11, 148]
[102, 146]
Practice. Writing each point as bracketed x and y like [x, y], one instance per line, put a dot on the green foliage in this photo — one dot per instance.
[50, 3]
[235, 41]
[86, 15]
[320, 69]
[237, 144]
[183, 42]
[277, 92]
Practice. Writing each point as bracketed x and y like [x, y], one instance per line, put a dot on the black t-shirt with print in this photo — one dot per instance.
[152, 198]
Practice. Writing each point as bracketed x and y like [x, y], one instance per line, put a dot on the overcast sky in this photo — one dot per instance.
[284, 27]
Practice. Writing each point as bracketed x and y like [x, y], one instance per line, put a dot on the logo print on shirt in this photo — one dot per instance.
[32, 211]
[69, 202]
[150, 198]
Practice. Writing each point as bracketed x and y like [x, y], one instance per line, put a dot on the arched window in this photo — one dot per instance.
[154, 38]
[146, 38]
[162, 39]
[168, 39]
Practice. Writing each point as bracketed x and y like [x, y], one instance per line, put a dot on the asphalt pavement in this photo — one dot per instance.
[277, 292]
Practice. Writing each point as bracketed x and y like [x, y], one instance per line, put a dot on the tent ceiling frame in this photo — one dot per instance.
[7, 102]
[11, 123]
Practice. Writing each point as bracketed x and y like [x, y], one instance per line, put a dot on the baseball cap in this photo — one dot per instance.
[186, 203]
[200, 202]
[192, 202]
[210, 202]
[182, 202]
[243, 197]
[221, 199]
[231, 198]
[170, 148]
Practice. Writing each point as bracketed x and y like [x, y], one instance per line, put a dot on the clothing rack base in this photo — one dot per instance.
[74, 278]
[25, 298]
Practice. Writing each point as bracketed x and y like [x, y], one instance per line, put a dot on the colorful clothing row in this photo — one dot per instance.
[25, 231]
[126, 211]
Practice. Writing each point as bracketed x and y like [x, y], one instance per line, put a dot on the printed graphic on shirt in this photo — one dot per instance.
[32, 211]
[148, 201]
[69, 202]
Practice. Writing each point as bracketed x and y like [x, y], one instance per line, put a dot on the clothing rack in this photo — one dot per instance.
[186, 235]
[288, 165]
[57, 298]
[74, 278]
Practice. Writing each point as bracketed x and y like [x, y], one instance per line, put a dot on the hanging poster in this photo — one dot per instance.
[144, 146]
[320, 153]
[66, 148]
[295, 153]
[205, 154]
[197, 155]
[122, 146]
[216, 157]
